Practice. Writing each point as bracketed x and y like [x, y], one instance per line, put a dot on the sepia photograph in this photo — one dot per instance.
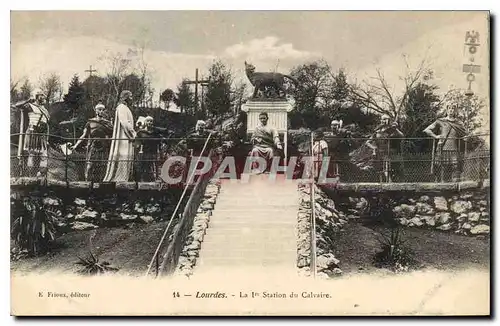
[250, 163]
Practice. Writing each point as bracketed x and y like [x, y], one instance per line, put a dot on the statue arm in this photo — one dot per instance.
[23, 105]
[399, 132]
[371, 144]
[430, 128]
[82, 137]
[276, 138]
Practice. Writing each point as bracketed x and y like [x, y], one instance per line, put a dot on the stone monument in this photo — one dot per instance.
[270, 96]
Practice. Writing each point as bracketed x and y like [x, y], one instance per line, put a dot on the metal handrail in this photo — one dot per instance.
[155, 256]
[174, 249]
[313, 211]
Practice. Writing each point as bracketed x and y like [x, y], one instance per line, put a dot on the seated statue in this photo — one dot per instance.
[265, 141]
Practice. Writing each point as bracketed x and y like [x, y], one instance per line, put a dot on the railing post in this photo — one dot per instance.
[388, 161]
[465, 160]
[157, 265]
[313, 212]
[66, 165]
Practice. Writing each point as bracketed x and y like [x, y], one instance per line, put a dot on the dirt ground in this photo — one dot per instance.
[357, 244]
[131, 248]
[128, 248]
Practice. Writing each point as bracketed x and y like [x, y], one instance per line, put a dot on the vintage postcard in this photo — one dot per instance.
[319, 163]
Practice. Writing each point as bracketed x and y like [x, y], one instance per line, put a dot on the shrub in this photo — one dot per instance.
[34, 228]
[394, 254]
[92, 265]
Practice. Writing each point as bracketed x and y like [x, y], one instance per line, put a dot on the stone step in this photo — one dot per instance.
[242, 261]
[246, 228]
[247, 211]
[254, 217]
[262, 196]
[289, 209]
[275, 206]
[249, 245]
[262, 209]
[222, 236]
[271, 273]
[271, 215]
[247, 253]
[252, 220]
[238, 224]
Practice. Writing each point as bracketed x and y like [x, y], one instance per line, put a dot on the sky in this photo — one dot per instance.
[177, 42]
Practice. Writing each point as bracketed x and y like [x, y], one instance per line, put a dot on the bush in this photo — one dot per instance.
[92, 265]
[394, 254]
[34, 228]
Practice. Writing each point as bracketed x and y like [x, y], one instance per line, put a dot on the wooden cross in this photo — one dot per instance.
[196, 82]
[90, 71]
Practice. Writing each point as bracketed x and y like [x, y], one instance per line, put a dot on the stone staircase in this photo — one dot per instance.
[253, 226]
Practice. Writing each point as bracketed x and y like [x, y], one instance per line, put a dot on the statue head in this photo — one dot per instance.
[200, 126]
[385, 119]
[99, 110]
[39, 96]
[318, 135]
[148, 121]
[263, 117]
[336, 125]
[126, 96]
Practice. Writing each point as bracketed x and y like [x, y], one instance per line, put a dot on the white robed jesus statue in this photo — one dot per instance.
[121, 154]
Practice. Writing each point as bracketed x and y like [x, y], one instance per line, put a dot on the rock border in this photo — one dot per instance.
[329, 221]
[191, 250]
[466, 213]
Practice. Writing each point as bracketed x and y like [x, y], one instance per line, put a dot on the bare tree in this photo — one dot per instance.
[51, 85]
[119, 67]
[26, 90]
[378, 96]
[14, 93]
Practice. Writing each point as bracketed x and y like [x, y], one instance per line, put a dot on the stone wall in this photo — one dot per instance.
[191, 249]
[329, 221]
[466, 212]
[82, 209]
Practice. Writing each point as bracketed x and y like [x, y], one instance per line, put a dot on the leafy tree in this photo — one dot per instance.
[313, 98]
[94, 90]
[465, 109]
[167, 96]
[421, 109]
[135, 84]
[218, 94]
[75, 100]
[184, 99]
[75, 97]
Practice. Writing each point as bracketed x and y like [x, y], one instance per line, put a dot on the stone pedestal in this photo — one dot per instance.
[277, 111]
